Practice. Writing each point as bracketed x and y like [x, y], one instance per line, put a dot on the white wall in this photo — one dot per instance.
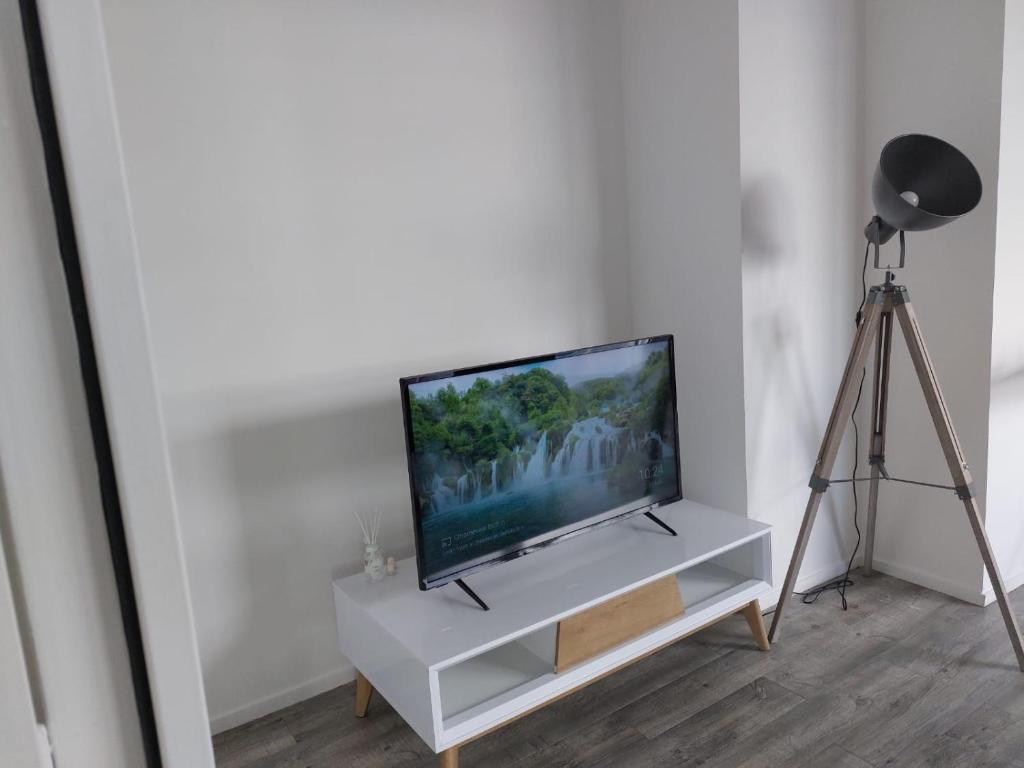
[802, 174]
[822, 87]
[681, 106]
[327, 197]
[1005, 492]
[934, 66]
[54, 536]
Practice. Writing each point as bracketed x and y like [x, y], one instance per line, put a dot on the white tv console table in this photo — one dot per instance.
[455, 672]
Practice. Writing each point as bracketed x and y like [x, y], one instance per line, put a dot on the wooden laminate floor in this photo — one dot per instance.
[906, 677]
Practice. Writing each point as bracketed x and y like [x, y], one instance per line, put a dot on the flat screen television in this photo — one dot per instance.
[510, 457]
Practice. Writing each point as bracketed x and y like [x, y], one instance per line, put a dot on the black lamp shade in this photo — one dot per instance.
[941, 177]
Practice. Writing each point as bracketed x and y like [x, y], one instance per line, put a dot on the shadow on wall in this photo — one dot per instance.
[769, 252]
[267, 515]
[779, 386]
[764, 206]
[1007, 376]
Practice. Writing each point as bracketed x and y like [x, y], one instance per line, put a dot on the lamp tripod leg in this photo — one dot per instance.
[869, 525]
[794, 564]
[841, 411]
[879, 410]
[956, 461]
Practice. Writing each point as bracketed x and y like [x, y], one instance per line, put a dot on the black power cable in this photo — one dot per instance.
[840, 584]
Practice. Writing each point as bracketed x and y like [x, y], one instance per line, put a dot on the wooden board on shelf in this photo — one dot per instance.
[616, 621]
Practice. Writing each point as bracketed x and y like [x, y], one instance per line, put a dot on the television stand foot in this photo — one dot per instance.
[660, 522]
[465, 588]
[364, 690]
[450, 758]
[752, 613]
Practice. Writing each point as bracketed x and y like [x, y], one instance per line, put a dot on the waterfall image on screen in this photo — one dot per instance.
[508, 457]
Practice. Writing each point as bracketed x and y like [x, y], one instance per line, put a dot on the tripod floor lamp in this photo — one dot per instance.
[920, 183]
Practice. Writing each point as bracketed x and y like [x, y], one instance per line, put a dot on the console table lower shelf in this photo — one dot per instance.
[450, 756]
[576, 613]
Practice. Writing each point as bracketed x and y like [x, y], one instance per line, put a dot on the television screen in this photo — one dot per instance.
[507, 457]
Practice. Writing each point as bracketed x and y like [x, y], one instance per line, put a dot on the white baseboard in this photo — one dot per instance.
[906, 573]
[275, 701]
[806, 580]
[281, 699]
[1011, 582]
[938, 583]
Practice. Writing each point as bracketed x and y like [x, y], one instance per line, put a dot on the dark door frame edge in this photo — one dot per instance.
[60, 199]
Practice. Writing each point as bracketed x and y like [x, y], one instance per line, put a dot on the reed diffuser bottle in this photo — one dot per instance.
[373, 560]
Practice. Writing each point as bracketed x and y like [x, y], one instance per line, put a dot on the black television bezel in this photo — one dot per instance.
[406, 381]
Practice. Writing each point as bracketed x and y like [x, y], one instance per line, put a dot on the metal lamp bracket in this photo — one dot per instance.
[875, 235]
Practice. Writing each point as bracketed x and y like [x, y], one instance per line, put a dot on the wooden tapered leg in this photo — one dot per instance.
[752, 613]
[450, 758]
[958, 468]
[363, 693]
[841, 411]
[879, 410]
